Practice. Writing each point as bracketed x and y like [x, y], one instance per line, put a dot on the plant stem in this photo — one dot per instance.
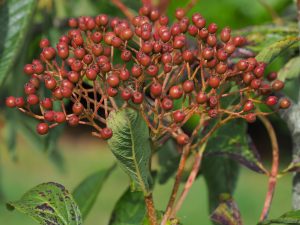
[151, 210]
[184, 156]
[128, 13]
[191, 179]
[274, 169]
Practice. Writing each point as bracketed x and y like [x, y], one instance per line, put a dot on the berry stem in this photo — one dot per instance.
[151, 210]
[128, 13]
[274, 170]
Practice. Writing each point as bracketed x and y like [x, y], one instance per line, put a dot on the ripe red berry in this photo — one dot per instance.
[255, 83]
[179, 13]
[47, 103]
[59, 117]
[73, 120]
[126, 94]
[242, 65]
[156, 89]
[188, 56]
[42, 128]
[201, 98]
[225, 34]
[137, 97]
[248, 106]
[167, 104]
[19, 102]
[124, 74]
[272, 76]
[271, 100]
[106, 133]
[77, 108]
[91, 74]
[126, 55]
[112, 92]
[182, 139]
[73, 76]
[10, 102]
[277, 85]
[136, 70]
[49, 116]
[250, 118]
[49, 53]
[28, 69]
[178, 116]
[113, 80]
[176, 92]
[213, 113]
[208, 53]
[212, 28]
[29, 89]
[188, 86]
[32, 99]
[214, 81]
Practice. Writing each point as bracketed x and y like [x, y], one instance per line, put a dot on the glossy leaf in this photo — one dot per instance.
[49, 203]
[129, 210]
[292, 217]
[227, 213]
[86, 193]
[275, 49]
[290, 70]
[130, 144]
[15, 17]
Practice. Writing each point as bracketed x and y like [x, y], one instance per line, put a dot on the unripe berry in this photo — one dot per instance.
[42, 128]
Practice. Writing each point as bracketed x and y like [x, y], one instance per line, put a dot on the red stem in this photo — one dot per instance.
[274, 169]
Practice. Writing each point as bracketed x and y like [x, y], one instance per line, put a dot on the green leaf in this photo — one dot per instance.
[227, 213]
[168, 159]
[269, 53]
[292, 217]
[130, 144]
[49, 203]
[86, 193]
[290, 70]
[129, 210]
[15, 17]
[231, 140]
[221, 175]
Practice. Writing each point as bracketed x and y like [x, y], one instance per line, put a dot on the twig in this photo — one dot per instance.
[128, 13]
[191, 4]
[151, 210]
[274, 169]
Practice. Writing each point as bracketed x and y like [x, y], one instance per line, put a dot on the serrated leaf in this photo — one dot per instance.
[15, 17]
[272, 51]
[292, 217]
[231, 140]
[129, 210]
[290, 70]
[227, 213]
[168, 159]
[86, 193]
[49, 203]
[130, 144]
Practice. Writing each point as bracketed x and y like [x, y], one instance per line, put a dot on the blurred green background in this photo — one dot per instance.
[24, 159]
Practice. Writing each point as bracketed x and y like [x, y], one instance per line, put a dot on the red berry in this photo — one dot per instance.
[124, 74]
[271, 100]
[42, 128]
[49, 116]
[47, 103]
[136, 70]
[213, 113]
[248, 106]
[137, 97]
[176, 92]
[201, 98]
[28, 69]
[225, 34]
[182, 139]
[32, 99]
[29, 89]
[188, 86]
[73, 76]
[106, 133]
[20, 102]
[126, 94]
[10, 102]
[250, 118]
[277, 85]
[167, 104]
[91, 74]
[112, 92]
[214, 81]
[44, 43]
[152, 70]
[178, 116]
[113, 80]
[77, 108]
[73, 120]
[242, 65]
[212, 28]
[126, 55]
[272, 76]
[179, 13]
[255, 83]
[59, 117]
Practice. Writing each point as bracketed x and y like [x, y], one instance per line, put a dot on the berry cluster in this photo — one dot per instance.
[168, 72]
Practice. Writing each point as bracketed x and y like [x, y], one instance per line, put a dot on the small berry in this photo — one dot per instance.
[77, 108]
[250, 118]
[73, 120]
[284, 103]
[126, 94]
[32, 99]
[167, 104]
[59, 117]
[137, 97]
[188, 86]
[176, 92]
[47, 103]
[201, 98]
[277, 85]
[42, 128]
[113, 80]
[10, 102]
[214, 81]
[106, 133]
[182, 139]
[248, 106]
[271, 100]
[178, 116]
[19, 102]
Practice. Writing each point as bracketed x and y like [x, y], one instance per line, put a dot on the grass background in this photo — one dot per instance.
[83, 156]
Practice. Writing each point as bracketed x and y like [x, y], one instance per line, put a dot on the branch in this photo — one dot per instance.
[274, 169]
[128, 12]
[151, 210]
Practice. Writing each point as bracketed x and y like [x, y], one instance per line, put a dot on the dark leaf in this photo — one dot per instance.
[130, 144]
[49, 203]
[15, 17]
[86, 193]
